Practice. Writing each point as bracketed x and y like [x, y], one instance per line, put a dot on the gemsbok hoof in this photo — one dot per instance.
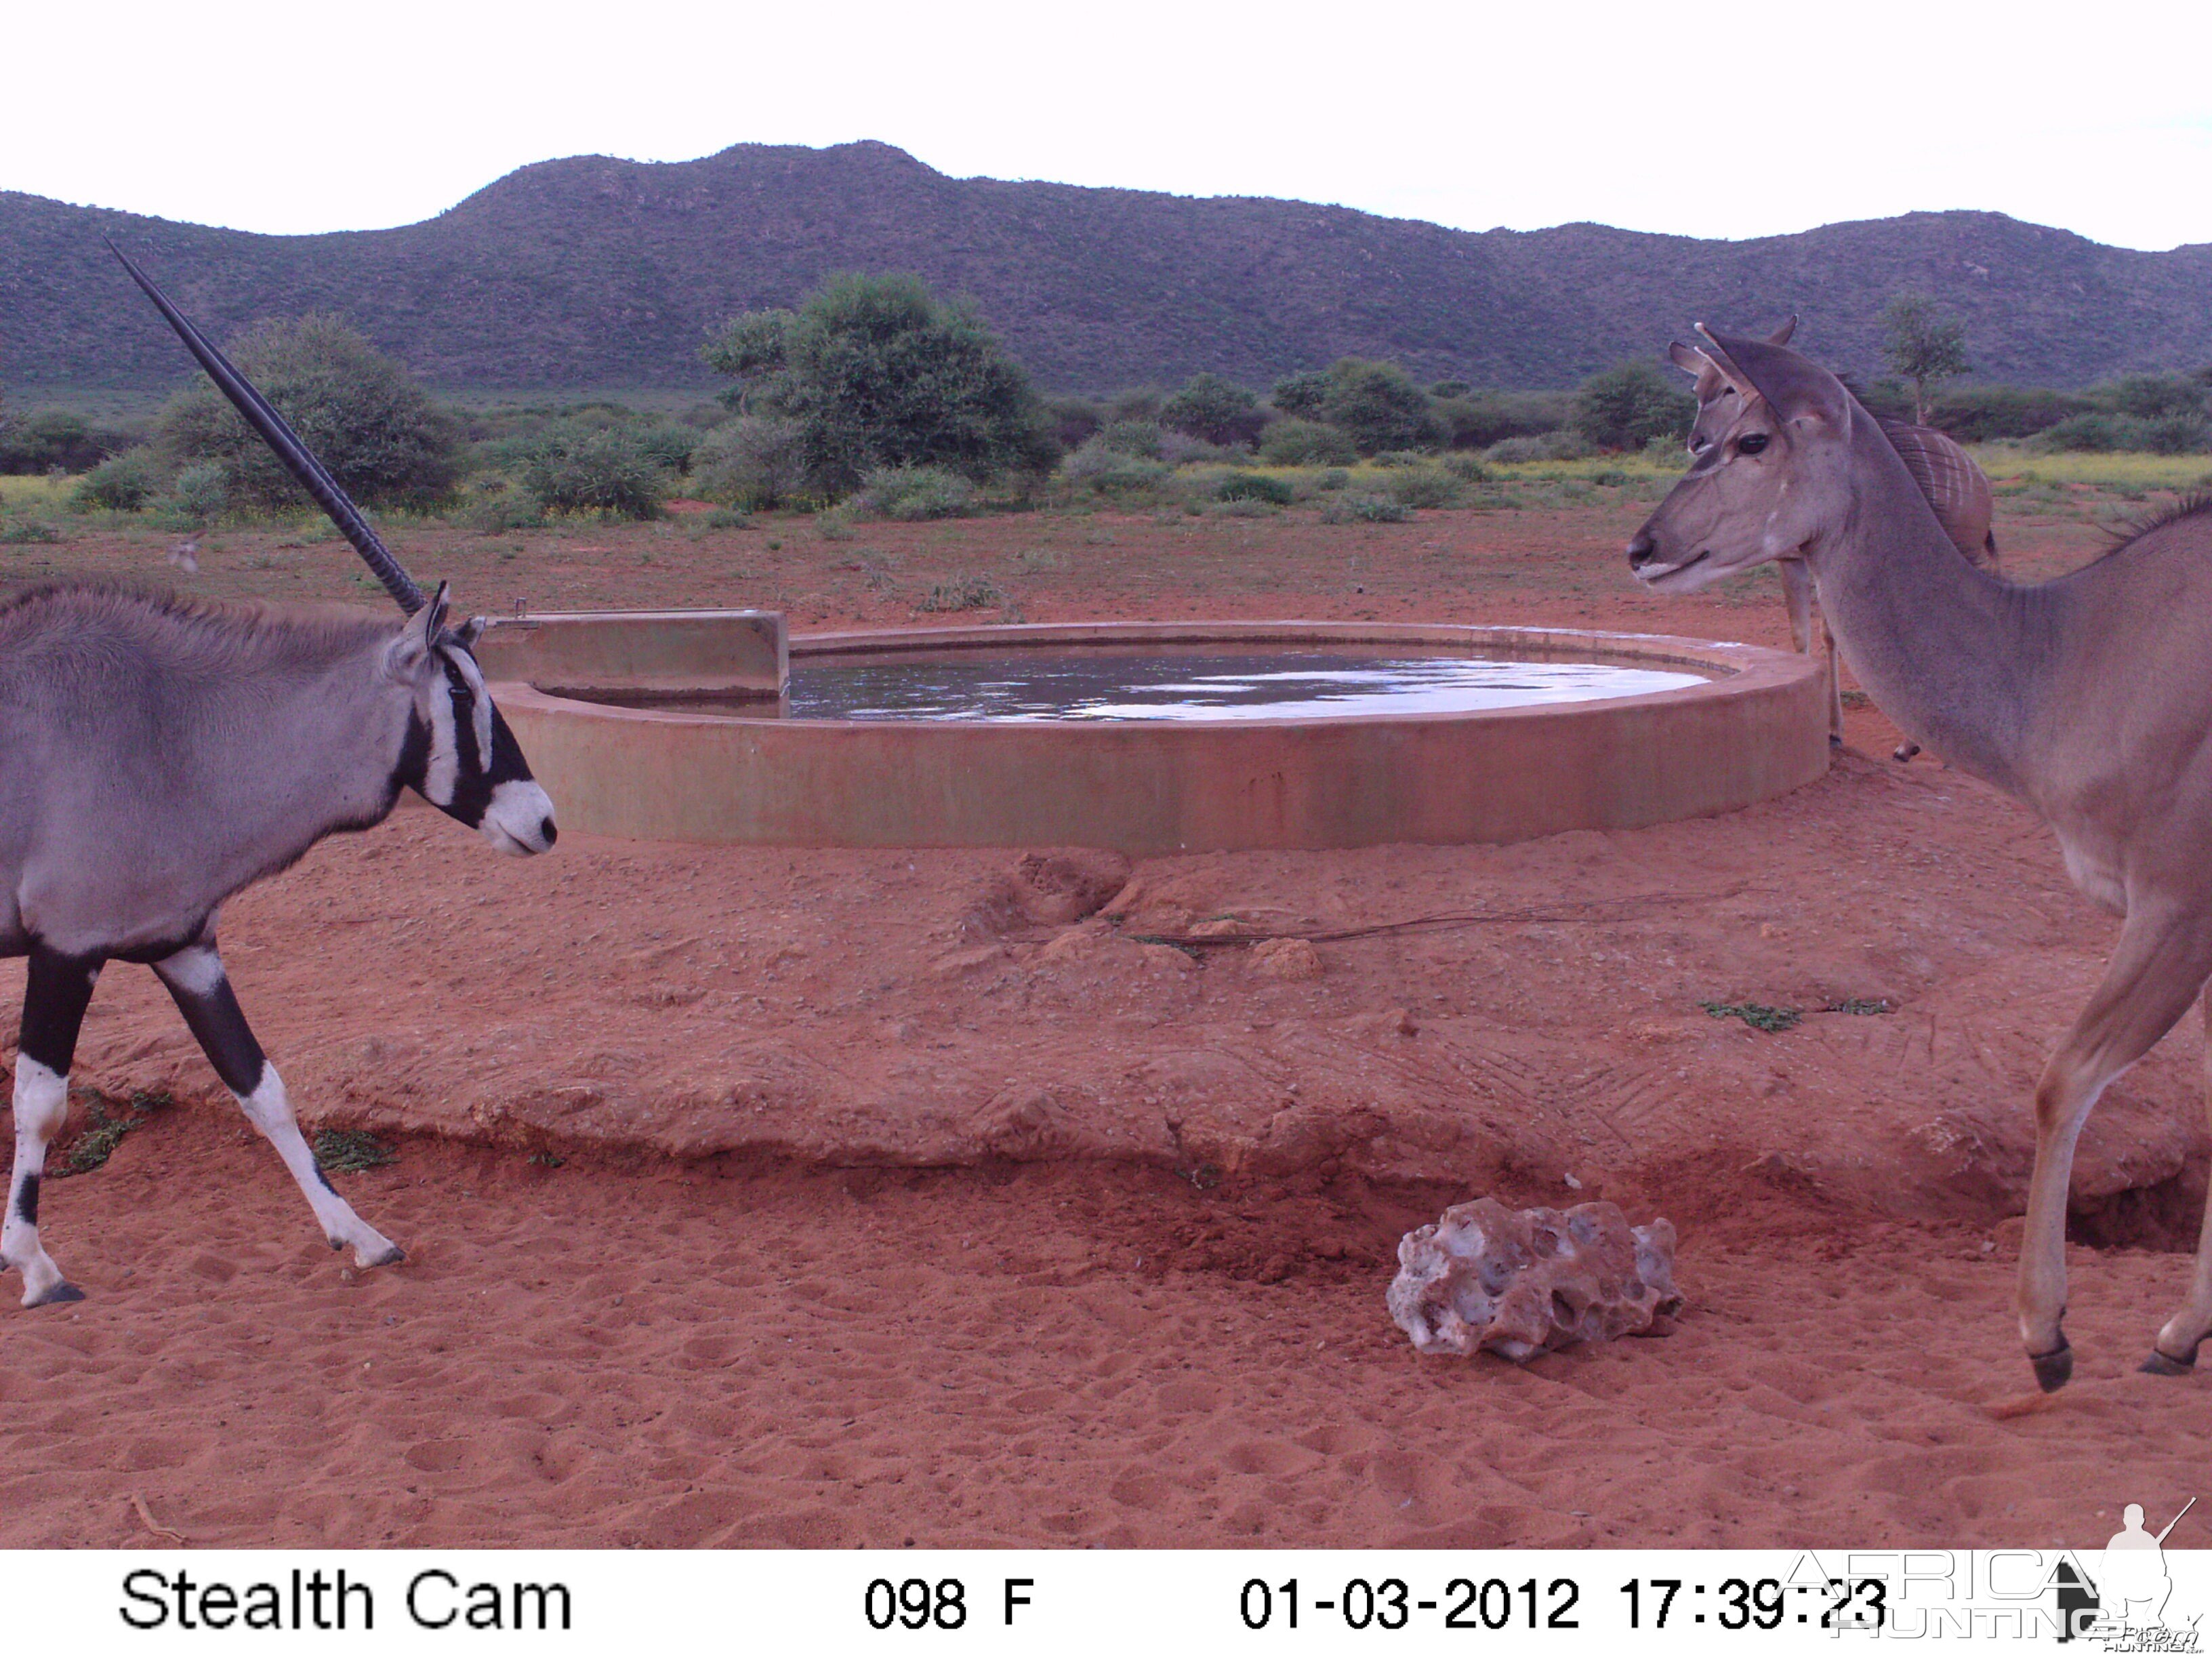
[2053, 1370]
[2162, 1364]
[60, 1291]
[391, 1256]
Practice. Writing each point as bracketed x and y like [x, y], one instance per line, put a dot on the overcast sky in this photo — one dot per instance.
[1710, 120]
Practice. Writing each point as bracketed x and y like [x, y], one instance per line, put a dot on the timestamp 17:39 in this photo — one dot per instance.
[1757, 1604]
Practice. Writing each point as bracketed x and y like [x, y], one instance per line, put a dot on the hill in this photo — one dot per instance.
[592, 273]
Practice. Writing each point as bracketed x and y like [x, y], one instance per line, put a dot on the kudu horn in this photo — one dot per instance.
[298, 459]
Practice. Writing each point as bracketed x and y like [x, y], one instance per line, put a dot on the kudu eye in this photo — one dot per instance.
[1751, 443]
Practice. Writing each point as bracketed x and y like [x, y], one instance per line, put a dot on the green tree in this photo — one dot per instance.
[1924, 345]
[360, 410]
[1212, 408]
[1301, 396]
[1377, 404]
[876, 372]
[1626, 406]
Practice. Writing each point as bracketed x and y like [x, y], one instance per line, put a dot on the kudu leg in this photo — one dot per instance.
[57, 991]
[2175, 1351]
[2157, 971]
[196, 979]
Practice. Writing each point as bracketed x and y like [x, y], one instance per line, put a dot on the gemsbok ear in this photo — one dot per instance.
[412, 648]
[1781, 335]
[470, 632]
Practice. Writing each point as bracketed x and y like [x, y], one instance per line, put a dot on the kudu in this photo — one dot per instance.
[1955, 487]
[2087, 696]
[156, 756]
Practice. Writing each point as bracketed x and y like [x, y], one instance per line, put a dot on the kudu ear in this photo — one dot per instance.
[1795, 388]
[1691, 361]
[1781, 335]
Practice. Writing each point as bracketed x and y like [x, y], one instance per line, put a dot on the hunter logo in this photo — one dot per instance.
[2122, 1608]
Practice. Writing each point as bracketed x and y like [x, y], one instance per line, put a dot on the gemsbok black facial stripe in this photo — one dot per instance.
[410, 770]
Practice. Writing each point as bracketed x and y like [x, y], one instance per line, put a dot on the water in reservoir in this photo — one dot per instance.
[1202, 683]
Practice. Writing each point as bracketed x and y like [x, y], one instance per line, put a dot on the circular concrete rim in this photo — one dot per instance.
[1756, 729]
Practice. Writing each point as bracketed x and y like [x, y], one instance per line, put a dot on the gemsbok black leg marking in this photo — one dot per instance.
[196, 981]
[57, 991]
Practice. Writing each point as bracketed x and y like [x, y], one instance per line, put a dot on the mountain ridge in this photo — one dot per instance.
[591, 271]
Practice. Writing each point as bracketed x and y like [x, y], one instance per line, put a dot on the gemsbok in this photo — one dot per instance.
[1955, 487]
[157, 754]
[2088, 697]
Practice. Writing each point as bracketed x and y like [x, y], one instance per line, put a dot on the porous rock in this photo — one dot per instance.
[1286, 958]
[1518, 1282]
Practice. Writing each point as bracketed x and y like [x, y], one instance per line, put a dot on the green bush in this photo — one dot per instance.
[1297, 442]
[1482, 419]
[1109, 471]
[2170, 435]
[1244, 507]
[1365, 509]
[670, 443]
[1976, 414]
[607, 471]
[57, 440]
[877, 371]
[756, 462]
[1255, 487]
[1631, 404]
[495, 505]
[1423, 486]
[1513, 452]
[1301, 396]
[29, 530]
[358, 410]
[1072, 420]
[1139, 437]
[1209, 407]
[1334, 478]
[909, 494]
[1466, 468]
[200, 494]
[1379, 407]
[2154, 397]
[121, 484]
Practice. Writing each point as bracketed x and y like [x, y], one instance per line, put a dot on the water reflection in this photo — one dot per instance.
[1194, 684]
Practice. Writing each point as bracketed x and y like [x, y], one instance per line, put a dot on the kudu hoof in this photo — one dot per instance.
[60, 1291]
[2162, 1364]
[2053, 1370]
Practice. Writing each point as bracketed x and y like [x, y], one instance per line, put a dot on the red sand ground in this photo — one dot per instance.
[1113, 1271]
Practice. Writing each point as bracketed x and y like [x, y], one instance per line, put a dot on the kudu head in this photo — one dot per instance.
[1772, 474]
[459, 754]
[1717, 402]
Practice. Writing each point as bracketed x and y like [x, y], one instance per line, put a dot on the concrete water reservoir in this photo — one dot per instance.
[1147, 737]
